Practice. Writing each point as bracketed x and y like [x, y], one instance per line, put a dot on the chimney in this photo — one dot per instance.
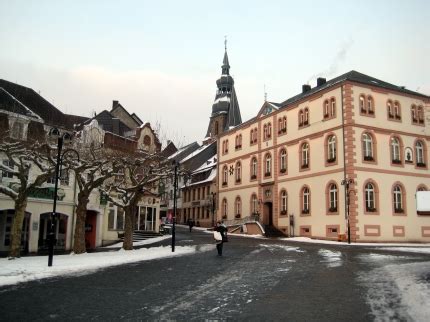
[114, 103]
[306, 88]
[321, 81]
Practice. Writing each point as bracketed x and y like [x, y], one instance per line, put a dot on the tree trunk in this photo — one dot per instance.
[16, 233]
[128, 228]
[81, 215]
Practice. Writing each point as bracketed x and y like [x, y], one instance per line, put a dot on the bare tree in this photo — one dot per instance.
[140, 176]
[94, 167]
[31, 165]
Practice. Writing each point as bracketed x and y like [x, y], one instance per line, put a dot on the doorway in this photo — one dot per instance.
[60, 230]
[268, 214]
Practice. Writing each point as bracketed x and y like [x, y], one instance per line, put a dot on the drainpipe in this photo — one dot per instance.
[344, 151]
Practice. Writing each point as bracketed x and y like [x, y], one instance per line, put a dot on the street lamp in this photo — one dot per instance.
[346, 182]
[65, 138]
[175, 186]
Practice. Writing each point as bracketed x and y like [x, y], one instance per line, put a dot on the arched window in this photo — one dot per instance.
[370, 107]
[369, 194]
[332, 198]
[305, 156]
[224, 208]
[283, 161]
[306, 119]
[254, 204]
[237, 207]
[268, 165]
[398, 199]
[265, 132]
[367, 147]
[224, 175]
[284, 202]
[414, 116]
[419, 154]
[332, 107]
[362, 104]
[397, 113]
[395, 151]
[420, 112]
[390, 112]
[254, 168]
[306, 195]
[147, 140]
[331, 149]
[326, 109]
[301, 118]
[238, 172]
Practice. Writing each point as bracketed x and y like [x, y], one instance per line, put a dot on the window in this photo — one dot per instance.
[390, 112]
[367, 106]
[147, 140]
[420, 114]
[254, 204]
[254, 168]
[331, 149]
[306, 117]
[224, 175]
[305, 200]
[305, 156]
[238, 143]
[301, 118]
[254, 136]
[9, 164]
[17, 131]
[283, 161]
[284, 202]
[367, 147]
[398, 199]
[332, 198]
[225, 146]
[369, 194]
[395, 151]
[116, 218]
[267, 131]
[238, 172]
[251, 137]
[332, 107]
[419, 154]
[397, 114]
[282, 125]
[237, 207]
[414, 113]
[216, 128]
[224, 208]
[326, 109]
[268, 165]
[64, 177]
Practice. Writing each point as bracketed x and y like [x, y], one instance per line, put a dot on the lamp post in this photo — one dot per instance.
[346, 182]
[61, 139]
[175, 186]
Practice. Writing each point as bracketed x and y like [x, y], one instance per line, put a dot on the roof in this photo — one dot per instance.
[37, 104]
[10, 104]
[351, 76]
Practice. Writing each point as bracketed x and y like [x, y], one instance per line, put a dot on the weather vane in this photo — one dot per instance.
[225, 42]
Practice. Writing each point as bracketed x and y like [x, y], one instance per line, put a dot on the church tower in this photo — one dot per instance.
[225, 109]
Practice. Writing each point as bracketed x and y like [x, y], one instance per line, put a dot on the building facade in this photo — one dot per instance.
[350, 151]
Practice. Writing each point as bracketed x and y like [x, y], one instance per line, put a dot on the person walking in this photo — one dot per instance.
[190, 223]
[222, 230]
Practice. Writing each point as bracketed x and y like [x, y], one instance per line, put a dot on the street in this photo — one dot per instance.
[256, 279]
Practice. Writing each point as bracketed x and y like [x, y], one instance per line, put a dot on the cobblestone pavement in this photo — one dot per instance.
[255, 280]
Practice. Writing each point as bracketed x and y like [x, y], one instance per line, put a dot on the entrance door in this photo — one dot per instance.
[268, 214]
[6, 220]
[90, 230]
[60, 230]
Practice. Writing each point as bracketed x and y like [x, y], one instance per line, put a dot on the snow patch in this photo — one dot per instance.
[332, 258]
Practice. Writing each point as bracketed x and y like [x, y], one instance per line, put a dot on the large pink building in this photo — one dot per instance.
[296, 163]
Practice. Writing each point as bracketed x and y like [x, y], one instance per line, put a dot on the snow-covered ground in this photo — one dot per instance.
[395, 290]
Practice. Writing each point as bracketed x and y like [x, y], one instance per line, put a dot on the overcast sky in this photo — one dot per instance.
[161, 59]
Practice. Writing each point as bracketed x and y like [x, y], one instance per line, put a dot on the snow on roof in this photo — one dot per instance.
[222, 99]
[211, 177]
[189, 156]
[212, 162]
[180, 150]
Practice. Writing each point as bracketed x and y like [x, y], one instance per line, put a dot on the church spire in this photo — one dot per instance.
[225, 65]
